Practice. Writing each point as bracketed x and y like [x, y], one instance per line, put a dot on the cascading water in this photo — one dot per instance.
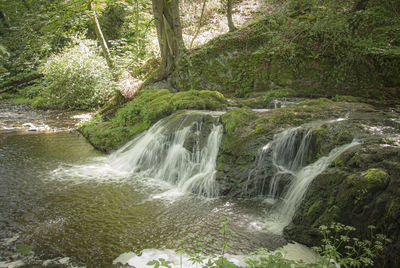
[289, 155]
[278, 161]
[283, 163]
[182, 152]
[302, 180]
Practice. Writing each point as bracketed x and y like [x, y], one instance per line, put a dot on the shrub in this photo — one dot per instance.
[77, 78]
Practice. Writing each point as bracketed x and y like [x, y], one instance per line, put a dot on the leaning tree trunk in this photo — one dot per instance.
[169, 33]
[229, 17]
[102, 41]
[100, 36]
[200, 23]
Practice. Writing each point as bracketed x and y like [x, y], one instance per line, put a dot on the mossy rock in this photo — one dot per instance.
[247, 131]
[111, 107]
[362, 186]
[107, 131]
[283, 50]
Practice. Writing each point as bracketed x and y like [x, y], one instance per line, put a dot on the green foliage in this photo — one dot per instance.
[339, 247]
[226, 235]
[316, 47]
[77, 78]
[276, 260]
[24, 249]
[128, 28]
[160, 263]
[33, 30]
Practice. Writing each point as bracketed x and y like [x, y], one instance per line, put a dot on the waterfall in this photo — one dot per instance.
[281, 165]
[278, 161]
[180, 151]
[298, 187]
[296, 190]
[289, 155]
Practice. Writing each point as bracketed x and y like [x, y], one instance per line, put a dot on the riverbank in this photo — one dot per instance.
[23, 117]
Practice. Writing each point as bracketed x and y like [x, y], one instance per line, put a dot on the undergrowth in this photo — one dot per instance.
[339, 248]
[319, 48]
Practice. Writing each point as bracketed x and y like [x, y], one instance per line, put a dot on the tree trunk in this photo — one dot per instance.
[102, 41]
[11, 85]
[229, 17]
[100, 37]
[198, 29]
[169, 33]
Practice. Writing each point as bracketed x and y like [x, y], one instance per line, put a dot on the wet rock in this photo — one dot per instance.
[360, 188]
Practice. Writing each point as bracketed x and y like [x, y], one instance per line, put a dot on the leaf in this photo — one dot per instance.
[24, 249]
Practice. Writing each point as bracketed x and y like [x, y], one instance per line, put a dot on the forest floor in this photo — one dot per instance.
[215, 21]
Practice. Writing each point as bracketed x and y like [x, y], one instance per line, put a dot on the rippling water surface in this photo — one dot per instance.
[95, 219]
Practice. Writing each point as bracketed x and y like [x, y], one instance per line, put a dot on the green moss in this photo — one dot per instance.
[6, 96]
[331, 214]
[21, 100]
[235, 119]
[314, 207]
[255, 102]
[209, 100]
[280, 93]
[24, 249]
[313, 102]
[376, 176]
[111, 107]
[345, 98]
[393, 209]
[107, 132]
[339, 161]
[362, 187]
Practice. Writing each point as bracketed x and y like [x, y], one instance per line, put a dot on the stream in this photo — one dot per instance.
[55, 197]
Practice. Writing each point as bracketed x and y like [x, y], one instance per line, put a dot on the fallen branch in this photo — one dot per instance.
[13, 83]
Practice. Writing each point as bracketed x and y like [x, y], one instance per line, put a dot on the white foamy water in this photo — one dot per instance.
[298, 188]
[181, 153]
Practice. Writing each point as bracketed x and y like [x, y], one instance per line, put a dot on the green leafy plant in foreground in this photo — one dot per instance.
[338, 249]
[160, 263]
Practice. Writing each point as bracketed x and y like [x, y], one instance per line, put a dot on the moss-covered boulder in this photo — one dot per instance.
[361, 186]
[317, 52]
[107, 131]
[248, 131]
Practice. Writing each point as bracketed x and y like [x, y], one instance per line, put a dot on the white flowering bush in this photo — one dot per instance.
[77, 78]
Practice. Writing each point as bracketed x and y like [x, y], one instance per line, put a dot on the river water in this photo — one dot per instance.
[94, 219]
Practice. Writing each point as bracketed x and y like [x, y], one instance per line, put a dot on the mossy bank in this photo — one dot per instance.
[315, 48]
[113, 127]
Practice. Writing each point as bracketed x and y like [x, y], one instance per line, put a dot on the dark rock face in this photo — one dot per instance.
[243, 168]
[360, 188]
